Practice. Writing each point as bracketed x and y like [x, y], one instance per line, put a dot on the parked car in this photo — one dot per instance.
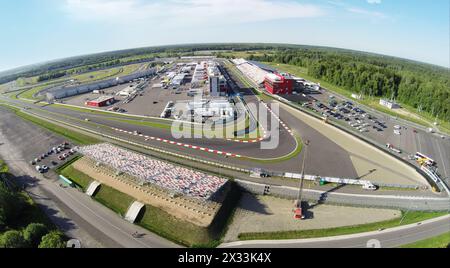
[39, 169]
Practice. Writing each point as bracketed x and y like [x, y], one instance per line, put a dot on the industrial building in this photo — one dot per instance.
[200, 75]
[214, 86]
[279, 83]
[218, 86]
[101, 101]
[178, 80]
[186, 69]
[220, 108]
[128, 91]
[209, 73]
[389, 104]
[65, 92]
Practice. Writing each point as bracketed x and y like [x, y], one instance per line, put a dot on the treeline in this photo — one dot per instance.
[16, 213]
[51, 76]
[415, 84]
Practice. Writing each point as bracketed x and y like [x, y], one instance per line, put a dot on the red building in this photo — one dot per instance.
[279, 83]
[101, 102]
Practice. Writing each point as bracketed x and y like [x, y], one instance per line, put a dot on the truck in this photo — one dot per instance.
[392, 148]
[299, 210]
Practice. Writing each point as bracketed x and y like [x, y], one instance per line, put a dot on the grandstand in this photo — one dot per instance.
[255, 73]
[173, 178]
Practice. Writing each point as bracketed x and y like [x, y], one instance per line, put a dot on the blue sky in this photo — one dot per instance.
[39, 30]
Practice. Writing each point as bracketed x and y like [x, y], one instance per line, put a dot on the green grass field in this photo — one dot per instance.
[28, 94]
[79, 178]
[104, 74]
[174, 229]
[113, 199]
[442, 241]
[409, 218]
[163, 125]
[3, 167]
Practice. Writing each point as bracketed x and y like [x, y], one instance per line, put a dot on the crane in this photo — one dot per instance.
[299, 213]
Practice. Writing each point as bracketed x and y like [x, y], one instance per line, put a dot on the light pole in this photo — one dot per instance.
[300, 190]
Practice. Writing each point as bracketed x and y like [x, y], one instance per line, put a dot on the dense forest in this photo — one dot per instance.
[22, 223]
[415, 84]
[51, 76]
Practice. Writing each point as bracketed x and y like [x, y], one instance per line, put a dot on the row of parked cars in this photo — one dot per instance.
[346, 111]
[63, 151]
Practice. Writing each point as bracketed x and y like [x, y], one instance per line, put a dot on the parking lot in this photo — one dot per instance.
[150, 100]
[153, 100]
[53, 157]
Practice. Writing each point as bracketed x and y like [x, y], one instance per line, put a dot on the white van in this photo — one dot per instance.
[369, 187]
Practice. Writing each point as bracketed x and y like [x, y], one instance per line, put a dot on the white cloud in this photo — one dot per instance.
[367, 13]
[374, 2]
[188, 12]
